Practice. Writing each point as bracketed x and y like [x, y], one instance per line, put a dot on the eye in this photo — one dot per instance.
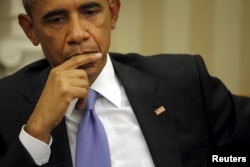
[91, 12]
[56, 19]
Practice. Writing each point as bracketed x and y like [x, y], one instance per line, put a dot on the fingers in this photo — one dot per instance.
[72, 64]
[79, 60]
[65, 83]
[68, 84]
[67, 75]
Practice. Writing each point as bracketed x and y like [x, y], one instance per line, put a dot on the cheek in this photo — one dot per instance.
[53, 46]
[105, 41]
[101, 33]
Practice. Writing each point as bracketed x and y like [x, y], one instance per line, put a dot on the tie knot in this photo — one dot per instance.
[92, 97]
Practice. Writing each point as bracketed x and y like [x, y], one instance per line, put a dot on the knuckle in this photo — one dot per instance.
[85, 92]
[65, 91]
[55, 72]
[83, 74]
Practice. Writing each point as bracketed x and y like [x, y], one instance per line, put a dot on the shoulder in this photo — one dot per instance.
[131, 58]
[159, 63]
[24, 75]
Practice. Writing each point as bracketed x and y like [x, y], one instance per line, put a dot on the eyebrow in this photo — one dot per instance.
[89, 5]
[54, 13]
[64, 11]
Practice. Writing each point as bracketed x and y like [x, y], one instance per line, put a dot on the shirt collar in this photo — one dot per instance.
[107, 84]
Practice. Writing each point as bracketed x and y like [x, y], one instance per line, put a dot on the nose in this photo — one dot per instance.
[77, 31]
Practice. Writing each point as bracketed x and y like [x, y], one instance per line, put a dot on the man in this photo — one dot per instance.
[157, 111]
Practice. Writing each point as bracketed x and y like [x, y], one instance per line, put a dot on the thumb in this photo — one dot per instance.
[80, 104]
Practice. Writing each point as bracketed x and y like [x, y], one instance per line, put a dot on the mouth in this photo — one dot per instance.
[77, 54]
[85, 66]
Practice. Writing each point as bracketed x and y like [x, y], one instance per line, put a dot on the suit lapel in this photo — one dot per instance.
[145, 96]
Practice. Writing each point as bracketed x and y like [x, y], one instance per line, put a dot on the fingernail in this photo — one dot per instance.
[79, 107]
[98, 54]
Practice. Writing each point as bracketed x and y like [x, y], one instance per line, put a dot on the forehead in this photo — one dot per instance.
[39, 2]
[47, 5]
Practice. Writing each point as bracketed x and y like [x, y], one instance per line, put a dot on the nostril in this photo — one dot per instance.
[78, 36]
[77, 31]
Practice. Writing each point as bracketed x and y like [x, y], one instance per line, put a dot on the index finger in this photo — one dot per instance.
[79, 60]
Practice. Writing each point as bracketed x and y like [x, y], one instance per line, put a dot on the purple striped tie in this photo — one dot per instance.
[92, 149]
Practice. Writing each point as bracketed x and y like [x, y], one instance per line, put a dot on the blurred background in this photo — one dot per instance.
[219, 30]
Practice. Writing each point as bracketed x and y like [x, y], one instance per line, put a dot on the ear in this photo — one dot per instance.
[28, 27]
[114, 6]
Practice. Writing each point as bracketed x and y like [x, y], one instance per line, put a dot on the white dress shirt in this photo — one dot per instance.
[126, 142]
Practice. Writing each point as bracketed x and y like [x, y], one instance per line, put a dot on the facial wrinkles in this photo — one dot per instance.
[47, 38]
[90, 45]
[64, 50]
[81, 49]
[65, 55]
[72, 48]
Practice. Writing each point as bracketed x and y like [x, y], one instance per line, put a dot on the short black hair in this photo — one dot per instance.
[27, 4]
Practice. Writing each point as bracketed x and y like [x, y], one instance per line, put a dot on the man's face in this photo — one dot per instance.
[67, 28]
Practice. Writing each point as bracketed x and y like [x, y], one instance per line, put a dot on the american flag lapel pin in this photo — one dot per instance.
[160, 110]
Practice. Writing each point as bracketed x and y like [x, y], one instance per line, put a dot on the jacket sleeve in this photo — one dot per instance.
[228, 115]
[15, 156]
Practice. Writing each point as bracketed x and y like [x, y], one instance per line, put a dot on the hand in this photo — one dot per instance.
[65, 83]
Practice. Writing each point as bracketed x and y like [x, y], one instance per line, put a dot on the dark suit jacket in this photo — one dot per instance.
[201, 117]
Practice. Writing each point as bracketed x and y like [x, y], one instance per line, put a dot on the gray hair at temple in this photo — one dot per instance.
[27, 4]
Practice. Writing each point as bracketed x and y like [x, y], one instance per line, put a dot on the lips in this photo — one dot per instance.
[85, 66]
[77, 54]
